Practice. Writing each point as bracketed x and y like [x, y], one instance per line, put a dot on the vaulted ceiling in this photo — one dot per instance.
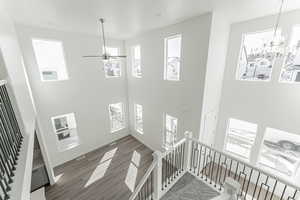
[126, 18]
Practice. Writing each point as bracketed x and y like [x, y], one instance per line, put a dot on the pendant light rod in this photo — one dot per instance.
[278, 18]
[103, 36]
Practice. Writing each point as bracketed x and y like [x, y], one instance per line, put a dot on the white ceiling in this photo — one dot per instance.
[126, 18]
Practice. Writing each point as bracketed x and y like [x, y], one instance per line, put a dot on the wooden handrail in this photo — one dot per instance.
[143, 180]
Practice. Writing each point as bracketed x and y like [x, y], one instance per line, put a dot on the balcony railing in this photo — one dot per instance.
[213, 167]
[10, 142]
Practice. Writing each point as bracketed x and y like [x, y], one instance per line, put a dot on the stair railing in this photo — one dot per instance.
[10, 142]
[214, 166]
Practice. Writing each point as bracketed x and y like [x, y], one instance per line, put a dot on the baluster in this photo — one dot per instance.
[216, 180]
[274, 187]
[212, 168]
[256, 185]
[199, 162]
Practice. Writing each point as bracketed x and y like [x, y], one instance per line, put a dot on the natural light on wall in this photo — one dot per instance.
[291, 67]
[50, 59]
[240, 138]
[256, 61]
[280, 152]
[172, 58]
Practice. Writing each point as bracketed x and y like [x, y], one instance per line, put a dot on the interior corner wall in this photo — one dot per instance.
[268, 104]
[182, 99]
[12, 70]
[87, 92]
[215, 67]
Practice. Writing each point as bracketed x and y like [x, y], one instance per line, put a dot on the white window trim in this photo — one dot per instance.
[64, 57]
[226, 141]
[135, 117]
[132, 61]
[123, 117]
[240, 52]
[165, 76]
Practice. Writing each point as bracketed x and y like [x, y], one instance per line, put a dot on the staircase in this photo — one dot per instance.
[230, 177]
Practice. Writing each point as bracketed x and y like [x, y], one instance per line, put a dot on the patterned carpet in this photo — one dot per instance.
[190, 188]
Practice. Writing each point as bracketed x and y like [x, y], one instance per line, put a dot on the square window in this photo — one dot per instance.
[112, 67]
[136, 62]
[64, 127]
[170, 135]
[50, 59]
[240, 138]
[138, 117]
[172, 58]
[255, 63]
[280, 152]
[291, 67]
[117, 117]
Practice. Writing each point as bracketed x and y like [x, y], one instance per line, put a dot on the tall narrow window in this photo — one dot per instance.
[138, 115]
[50, 59]
[291, 67]
[117, 117]
[255, 63]
[172, 58]
[112, 67]
[170, 135]
[65, 129]
[280, 152]
[240, 138]
[136, 62]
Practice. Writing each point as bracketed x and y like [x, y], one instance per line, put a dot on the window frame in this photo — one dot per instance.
[166, 39]
[166, 115]
[66, 74]
[112, 60]
[133, 59]
[236, 155]
[141, 131]
[123, 124]
[65, 130]
[291, 35]
[237, 77]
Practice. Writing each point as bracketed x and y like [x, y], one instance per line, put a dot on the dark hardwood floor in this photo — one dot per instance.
[108, 173]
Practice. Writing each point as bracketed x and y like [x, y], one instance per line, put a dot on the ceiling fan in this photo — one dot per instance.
[105, 56]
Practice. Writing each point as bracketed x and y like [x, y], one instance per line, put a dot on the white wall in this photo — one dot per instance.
[215, 67]
[12, 69]
[268, 104]
[181, 99]
[87, 93]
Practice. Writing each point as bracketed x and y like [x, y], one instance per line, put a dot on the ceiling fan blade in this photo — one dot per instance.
[93, 56]
[117, 56]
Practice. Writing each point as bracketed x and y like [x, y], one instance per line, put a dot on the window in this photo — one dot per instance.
[170, 131]
[65, 129]
[138, 112]
[291, 67]
[117, 119]
[280, 152]
[255, 64]
[50, 59]
[240, 138]
[136, 62]
[172, 58]
[112, 67]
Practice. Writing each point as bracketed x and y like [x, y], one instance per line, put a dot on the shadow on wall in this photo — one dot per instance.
[3, 72]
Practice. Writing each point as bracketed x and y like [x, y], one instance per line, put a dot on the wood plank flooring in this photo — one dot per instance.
[108, 173]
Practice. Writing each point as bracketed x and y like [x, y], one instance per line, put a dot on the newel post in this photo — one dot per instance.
[188, 149]
[157, 156]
